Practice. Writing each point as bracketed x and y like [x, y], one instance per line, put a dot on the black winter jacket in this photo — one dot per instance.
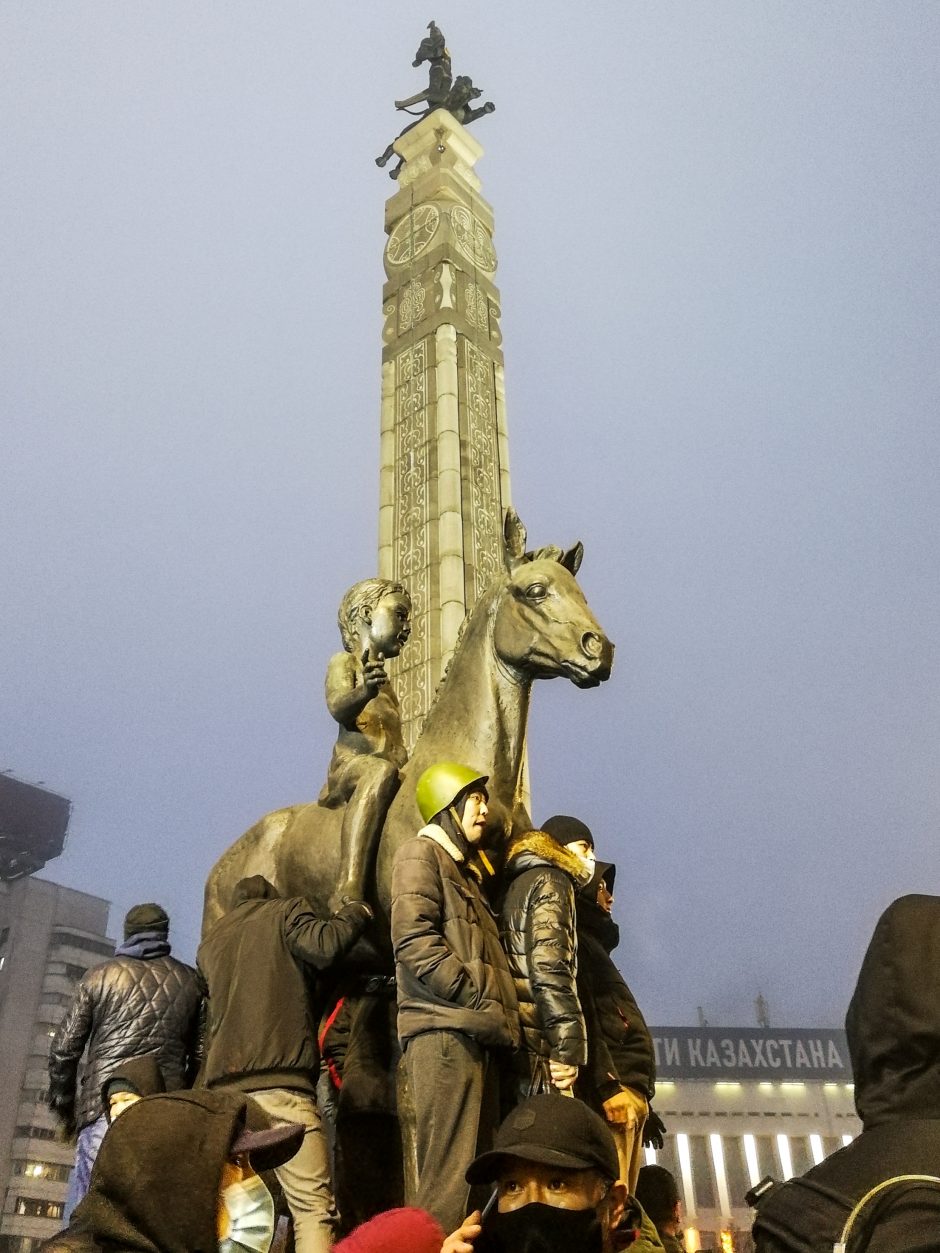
[257, 964]
[450, 969]
[537, 929]
[127, 1007]
[620, 1048]
[893, 1027]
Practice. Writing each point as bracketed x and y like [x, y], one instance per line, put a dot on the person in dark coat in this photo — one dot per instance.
[456, 1004]
[537, 930]
[657, 1192]
[141, 1002]
[619, 1079]
[257, 962]
[178, 1173]
[893, 1028]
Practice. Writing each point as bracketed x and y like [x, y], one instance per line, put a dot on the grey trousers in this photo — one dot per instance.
[455, 1092]
[305, 1178]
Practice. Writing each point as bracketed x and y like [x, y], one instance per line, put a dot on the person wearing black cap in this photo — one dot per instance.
[142, 1002]
[555, 1169]
[456, 1003]
[619, 1078]
[179, 1173]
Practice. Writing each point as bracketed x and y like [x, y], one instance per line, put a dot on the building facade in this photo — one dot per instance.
[740, 1104]
[49, 937]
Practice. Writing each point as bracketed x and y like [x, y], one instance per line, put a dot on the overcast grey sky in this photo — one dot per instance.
[717, 232]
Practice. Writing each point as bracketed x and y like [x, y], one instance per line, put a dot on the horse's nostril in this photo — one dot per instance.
[592, 645]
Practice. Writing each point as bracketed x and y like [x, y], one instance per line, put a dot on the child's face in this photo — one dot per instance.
[390, 625]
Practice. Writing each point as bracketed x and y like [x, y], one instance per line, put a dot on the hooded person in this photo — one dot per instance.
[893, 1029]
[537, 929]
[456, 1004]
[179, 1173]
[142, 1001]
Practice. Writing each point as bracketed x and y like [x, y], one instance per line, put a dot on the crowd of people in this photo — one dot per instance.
[528, 1068]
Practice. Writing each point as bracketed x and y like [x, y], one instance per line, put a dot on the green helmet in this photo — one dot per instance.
[440, 785]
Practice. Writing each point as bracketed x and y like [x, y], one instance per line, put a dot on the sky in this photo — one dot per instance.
[716, 225]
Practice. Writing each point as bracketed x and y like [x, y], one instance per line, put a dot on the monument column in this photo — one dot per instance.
[444, 478]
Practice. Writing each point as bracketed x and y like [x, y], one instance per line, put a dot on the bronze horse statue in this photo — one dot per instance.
[532, 622]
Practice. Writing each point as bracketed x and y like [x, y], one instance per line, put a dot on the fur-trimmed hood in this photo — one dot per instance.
[534, 848]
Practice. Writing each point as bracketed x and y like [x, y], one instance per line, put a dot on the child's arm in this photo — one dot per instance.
[349, 688]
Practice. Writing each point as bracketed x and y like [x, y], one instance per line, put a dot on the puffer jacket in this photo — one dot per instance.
[893, 1029]
[259, 963]
[537, 930]
[141, 1001]
[451, 972]
[620, 1048]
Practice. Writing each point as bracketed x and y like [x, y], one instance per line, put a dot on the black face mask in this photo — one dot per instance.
[538, 1228]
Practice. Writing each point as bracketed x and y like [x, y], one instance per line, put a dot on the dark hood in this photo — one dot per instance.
[143, 1074]
[593, 920]
[155, 1185]
[893, 1020]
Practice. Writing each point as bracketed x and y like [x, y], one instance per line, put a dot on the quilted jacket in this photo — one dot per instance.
[537, 928]
[127, 1007]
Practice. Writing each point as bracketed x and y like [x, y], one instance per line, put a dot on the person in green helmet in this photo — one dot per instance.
[456, 1001]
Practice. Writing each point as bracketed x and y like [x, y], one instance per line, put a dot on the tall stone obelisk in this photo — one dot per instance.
[444, 479]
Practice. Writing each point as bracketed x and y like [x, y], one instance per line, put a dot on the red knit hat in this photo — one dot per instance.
[395, 1231]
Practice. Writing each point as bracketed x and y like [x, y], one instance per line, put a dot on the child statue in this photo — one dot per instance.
[374, 622]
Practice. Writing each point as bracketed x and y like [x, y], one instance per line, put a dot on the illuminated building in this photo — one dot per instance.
[49, 936]
[742, 1103]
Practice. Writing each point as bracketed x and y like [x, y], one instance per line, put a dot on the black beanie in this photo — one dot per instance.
[565, 830]
[657, 1192]
[146, 918]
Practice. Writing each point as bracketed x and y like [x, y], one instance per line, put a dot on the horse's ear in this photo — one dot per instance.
[571, 560]
[514, 535]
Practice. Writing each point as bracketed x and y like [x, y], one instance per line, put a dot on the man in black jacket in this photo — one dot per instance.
[537, 930]
[143, 1002]
[259, 963]
[893, 1028]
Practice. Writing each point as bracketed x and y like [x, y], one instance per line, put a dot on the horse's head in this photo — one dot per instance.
[543, 626]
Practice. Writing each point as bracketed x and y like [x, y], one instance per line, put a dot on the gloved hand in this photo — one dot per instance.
[654, 1131]
[64, 1109]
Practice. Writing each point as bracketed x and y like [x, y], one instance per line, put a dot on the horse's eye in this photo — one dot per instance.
[536, 591]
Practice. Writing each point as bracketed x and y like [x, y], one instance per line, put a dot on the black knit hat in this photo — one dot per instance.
[554, 1130]
[148, 917]
[565, 830]
[657, 1192]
